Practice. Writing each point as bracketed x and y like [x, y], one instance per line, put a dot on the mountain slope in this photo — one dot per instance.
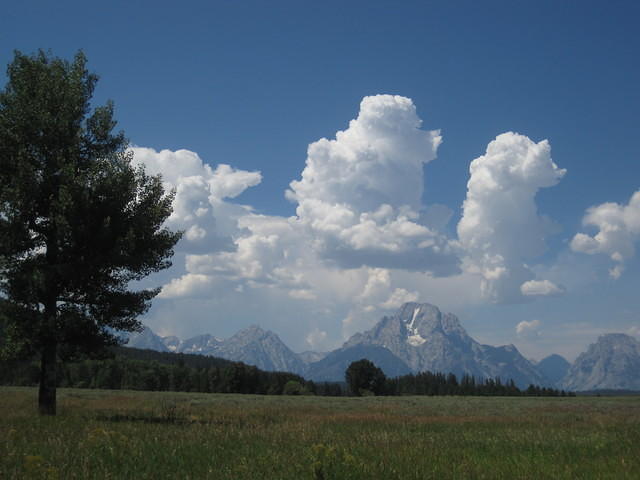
[426, 339]
[554, 367]
[332, 367]
[147, 340]
[253, 346]
[613, 362]
[261, 348]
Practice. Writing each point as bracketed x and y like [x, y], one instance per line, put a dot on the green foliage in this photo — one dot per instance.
[78, 222]
[364, 378]
[134, 369]
[294, 387]
[428, 383]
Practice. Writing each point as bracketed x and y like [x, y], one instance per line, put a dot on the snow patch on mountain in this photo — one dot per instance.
[415, 338]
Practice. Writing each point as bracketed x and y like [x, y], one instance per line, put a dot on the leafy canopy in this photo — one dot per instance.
[364, 378]
[79, 224]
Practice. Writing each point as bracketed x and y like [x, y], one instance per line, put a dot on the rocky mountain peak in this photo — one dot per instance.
[424, 338]
[253, 333]
[423, 320]
[198, 344]
[146, 339]
[252, 330]
[612, 362]
[616, 340]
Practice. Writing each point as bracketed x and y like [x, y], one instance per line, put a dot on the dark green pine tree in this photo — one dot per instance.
[79, 224]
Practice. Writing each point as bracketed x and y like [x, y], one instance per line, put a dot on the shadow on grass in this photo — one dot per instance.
[145, 418]
[157, 419]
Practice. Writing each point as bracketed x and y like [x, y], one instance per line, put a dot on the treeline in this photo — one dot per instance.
[364, 378]
[427, 383]
[137, 369]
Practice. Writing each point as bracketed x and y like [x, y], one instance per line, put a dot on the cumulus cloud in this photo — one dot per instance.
[378, 160]
[316, 338]
[398, 297]
[360, 194]
[182, 165]
[540, 288]
[361, 241]
[189, 285]
[530, 329]
[199, 207]
[359, 216]
[635, 331]
[500, 226]
[618, 231]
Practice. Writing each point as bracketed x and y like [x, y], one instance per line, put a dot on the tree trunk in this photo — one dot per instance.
[47, 392]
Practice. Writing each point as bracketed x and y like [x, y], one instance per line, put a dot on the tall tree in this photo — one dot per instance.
[364, 377]
[79, 224]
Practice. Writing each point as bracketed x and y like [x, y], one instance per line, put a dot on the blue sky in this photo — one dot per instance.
[252, 84]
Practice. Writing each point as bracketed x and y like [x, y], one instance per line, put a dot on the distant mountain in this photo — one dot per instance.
[554, 367]
[418, 337]
[172, 343]
[310, 357]
[253, 346]
[333, 366]
[147, 340]
[200, 344]
[426, 339]
[261, 348]
[613, 362]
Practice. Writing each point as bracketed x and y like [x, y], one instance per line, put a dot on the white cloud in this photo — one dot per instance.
[500, 226]
[377, 160]
[359, 217]
[195, 232]
[530, 329]
[618, 230]
[361, 242]
[199, 207]
[227, 182]
[634, 330]
[316, 339]
[360, 194]
[175, 167]
[399, 297]
[189, 285]
[540, 288]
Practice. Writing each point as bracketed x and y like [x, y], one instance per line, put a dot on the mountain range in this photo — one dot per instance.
[419, 337]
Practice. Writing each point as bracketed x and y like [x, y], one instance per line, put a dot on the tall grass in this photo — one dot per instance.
[119, 434]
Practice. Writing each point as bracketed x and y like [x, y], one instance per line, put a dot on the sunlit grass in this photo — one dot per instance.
[119, 434]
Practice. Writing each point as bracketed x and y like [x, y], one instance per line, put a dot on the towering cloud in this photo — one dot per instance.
[618, 230]
[500, 227]
[361, 193]
[377, 161]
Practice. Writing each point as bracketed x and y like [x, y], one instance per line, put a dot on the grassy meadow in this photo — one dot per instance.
[127, 434]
